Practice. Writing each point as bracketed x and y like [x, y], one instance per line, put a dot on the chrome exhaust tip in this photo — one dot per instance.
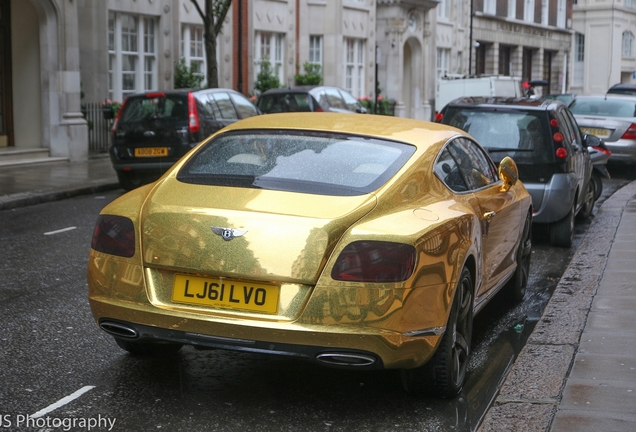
[346, 359]
[119, 330]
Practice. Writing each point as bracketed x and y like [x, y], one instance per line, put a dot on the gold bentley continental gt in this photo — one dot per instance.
[362, 242]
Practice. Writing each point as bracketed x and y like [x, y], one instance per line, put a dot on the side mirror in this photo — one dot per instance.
[508, 172]
[590, 140]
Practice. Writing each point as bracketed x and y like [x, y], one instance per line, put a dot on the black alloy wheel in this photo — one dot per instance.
[516, 287]
[588, 202]
[445, 373]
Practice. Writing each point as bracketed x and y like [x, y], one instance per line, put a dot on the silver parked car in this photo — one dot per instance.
[612, 118]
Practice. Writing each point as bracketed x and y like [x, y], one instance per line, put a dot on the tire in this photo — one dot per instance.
[561, 232]
[588, 202]
[597, 181]
[445, 373]
[147, 348]
[516, 287]
[129, 181]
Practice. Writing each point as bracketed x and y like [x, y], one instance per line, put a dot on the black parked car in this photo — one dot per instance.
[310, 99]
[543, 138]
[153, 130]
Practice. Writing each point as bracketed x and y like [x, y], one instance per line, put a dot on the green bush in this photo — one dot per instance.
[266, 78]
[185, 77]
[312, 75]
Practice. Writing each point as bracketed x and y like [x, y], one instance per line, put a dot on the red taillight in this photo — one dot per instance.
[193, 113]
[630, 133]
[554, 123]
[561, 153]
[558, 137]
[438, 117]
[375, 261]
[155, 95]
[116, 122]
[114, 235]
[318, 110]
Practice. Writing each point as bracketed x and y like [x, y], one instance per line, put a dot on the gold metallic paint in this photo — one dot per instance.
[293, 240]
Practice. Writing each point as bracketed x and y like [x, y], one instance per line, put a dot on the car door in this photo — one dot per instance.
[499, 212]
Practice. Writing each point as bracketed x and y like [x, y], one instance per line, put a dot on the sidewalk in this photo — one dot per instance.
[578, 370]
[22, 185]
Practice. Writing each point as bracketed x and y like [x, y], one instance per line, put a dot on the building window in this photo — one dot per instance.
[193, 49]
[528, 10]
[628, 44]
[315, 50]
[490, 7]
[505, 56]
[354, 66]
[443, 61]
[544, 12]
[459, 18]
[579, 57]
[561, 13]
[460, 63]
[132, 54]
[270, 46]
[512, 9]
[443, 10]
[629, 4]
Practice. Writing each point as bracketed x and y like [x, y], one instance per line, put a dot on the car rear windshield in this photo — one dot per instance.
[140, 109]
[324, 164]
[604, 107]
[287, 102]
[522, 135]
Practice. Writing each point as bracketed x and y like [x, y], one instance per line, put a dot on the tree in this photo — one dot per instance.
[213, 17]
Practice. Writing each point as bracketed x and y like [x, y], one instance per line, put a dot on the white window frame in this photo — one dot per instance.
[443, 61]
[443, 10]
[512, 9]
[544, 12]
[628, 44]
[459, 16]
[315, 50]
[354, 71]
[528, 10]
[193, 50]
[628, 4]
[271, 46]
[132, 54]
[490, 7]
[561, 13]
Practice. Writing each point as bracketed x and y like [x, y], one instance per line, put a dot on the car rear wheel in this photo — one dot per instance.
[516, 287]
[147, 348]
[129, 180]
[597, 181]
[445, 373]
[561, 232]
[588, 202]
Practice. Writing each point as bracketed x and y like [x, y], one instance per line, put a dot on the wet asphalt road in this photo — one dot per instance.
[52, 348]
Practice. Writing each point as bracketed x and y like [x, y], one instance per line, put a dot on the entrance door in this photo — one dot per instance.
[6, 102]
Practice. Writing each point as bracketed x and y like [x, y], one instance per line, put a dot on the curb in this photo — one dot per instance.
[532, 391]
[31, 198]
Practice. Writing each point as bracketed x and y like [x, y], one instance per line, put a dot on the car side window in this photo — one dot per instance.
[575, 127]
[244, 106]
[223, 106]
[334, 98]
[476, 168]
[566, 129]
[448, 171]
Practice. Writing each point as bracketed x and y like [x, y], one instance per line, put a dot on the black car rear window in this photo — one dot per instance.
[522, 135]
[139, 109]
[324, 164]
[284, 102]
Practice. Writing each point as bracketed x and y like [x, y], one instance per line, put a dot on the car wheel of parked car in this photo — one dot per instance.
[129, 181]
[597, 181]
[516, 287]
[588, 202]
[561, 232]
[147, 348]
[446, 371]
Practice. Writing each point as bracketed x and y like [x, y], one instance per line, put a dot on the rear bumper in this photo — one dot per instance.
[552, 201]
[622, 151]
[349, 347]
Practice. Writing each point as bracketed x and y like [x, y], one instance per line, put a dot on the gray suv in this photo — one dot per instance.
[548, 147]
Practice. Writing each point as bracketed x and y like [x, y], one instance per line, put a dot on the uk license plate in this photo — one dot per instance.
[226, 293]
[601, 133]
[151, 151]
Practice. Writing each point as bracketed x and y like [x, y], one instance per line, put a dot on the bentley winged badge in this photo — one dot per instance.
[228, 233]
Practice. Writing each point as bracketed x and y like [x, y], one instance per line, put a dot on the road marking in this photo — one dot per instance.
[60, 230]
[62, 401]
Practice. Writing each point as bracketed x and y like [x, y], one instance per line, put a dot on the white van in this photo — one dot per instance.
[449, 89]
